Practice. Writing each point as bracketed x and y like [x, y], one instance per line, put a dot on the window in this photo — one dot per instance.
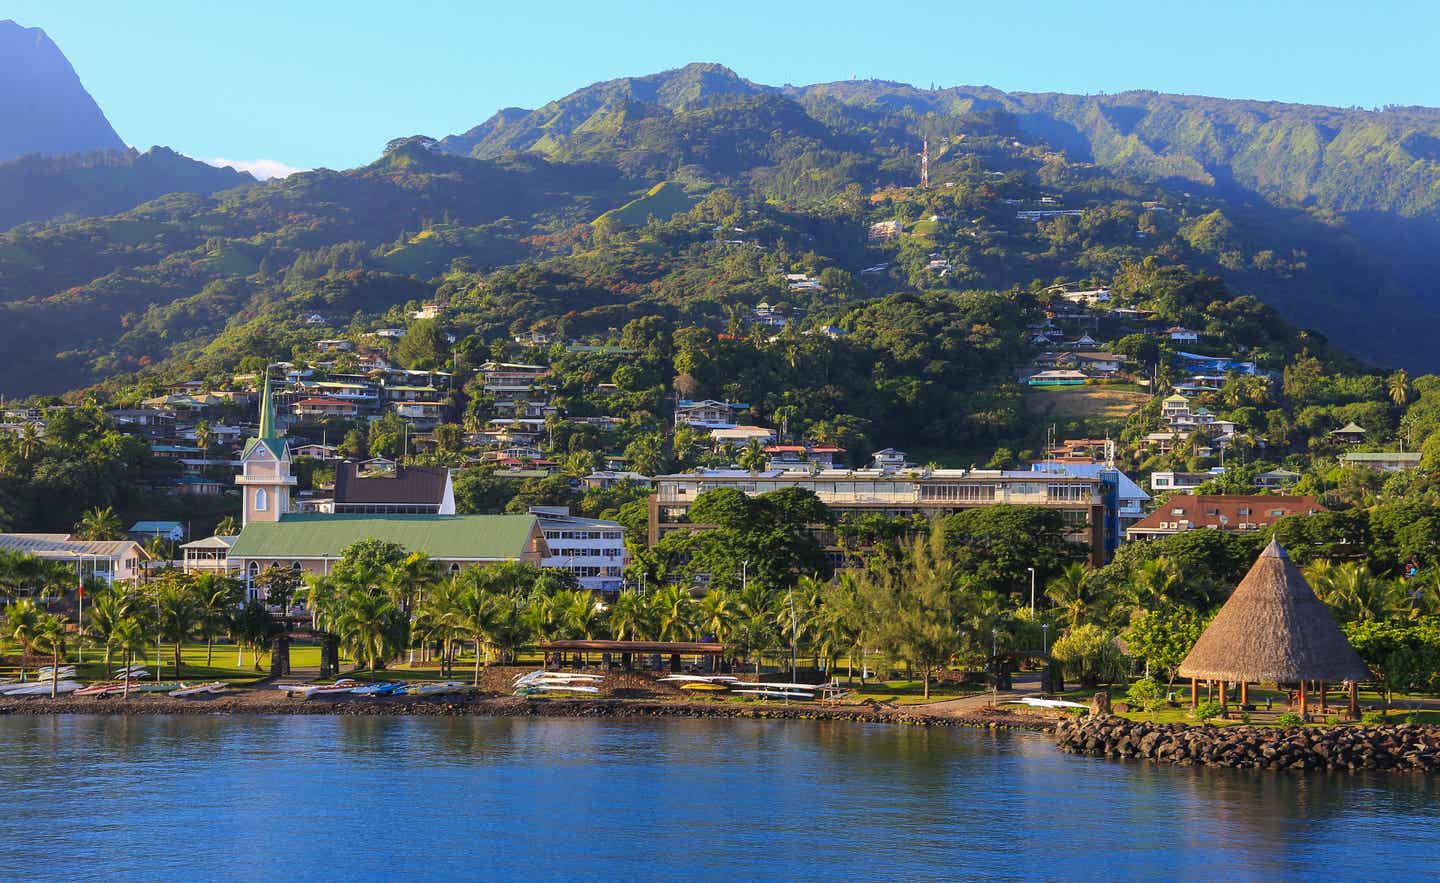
[261, 500]
[1244, 510]
[253, 569]
[1067, 492]
[957, 493]
[454, 567]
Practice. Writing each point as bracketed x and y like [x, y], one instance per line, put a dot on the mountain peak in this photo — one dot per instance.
[44, 108]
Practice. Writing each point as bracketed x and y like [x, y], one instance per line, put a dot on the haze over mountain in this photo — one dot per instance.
[59, 156]
[44, 108]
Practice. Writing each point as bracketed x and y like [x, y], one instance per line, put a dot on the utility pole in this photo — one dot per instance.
[794, 637]
[925, 164]
[1032, 590]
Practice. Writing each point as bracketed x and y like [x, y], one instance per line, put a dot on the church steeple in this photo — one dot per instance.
[267, 412]
[265, 480]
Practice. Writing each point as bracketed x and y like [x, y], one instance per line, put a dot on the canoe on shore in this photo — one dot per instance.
[199, 689]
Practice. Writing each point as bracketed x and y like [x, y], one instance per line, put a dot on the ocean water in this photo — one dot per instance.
[360, 798]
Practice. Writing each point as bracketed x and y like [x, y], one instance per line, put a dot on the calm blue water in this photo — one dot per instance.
[378, 798]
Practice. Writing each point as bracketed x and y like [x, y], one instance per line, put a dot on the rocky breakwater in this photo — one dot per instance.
[1400, 747]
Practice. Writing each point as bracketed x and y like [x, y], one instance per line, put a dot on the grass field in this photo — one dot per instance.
[1114, 402]
[663, 201]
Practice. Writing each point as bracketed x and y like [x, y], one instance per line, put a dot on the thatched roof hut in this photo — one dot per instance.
[1274, 628]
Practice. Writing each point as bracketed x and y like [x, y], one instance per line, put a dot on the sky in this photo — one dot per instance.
[275, 86]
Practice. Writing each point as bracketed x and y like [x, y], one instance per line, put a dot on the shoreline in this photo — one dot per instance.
[246, 702]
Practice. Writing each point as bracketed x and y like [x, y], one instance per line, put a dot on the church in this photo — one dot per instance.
[417, 512]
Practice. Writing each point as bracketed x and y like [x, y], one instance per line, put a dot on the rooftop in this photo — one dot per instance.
[447, 537]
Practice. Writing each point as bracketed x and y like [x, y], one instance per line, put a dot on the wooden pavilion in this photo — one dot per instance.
[1274, 629]
[710, 651]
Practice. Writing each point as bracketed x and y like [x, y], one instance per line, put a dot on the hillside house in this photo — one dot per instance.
[1220, 512]
[709, 413]
[1351, 433]
[1382, 461]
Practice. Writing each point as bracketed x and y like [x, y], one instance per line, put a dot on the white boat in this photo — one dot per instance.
[555, 676]
[293, 689]
[345, 685]
[699, 679]
[44, 688]
[382, 688]
[437, 689]
[555, 688]
[198, 689]
[775, 694]
[1037, 702]
[803, 688]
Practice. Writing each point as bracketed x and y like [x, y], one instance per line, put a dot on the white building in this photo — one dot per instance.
[590, 548]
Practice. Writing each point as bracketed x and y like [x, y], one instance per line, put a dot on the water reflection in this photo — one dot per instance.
[447, 798]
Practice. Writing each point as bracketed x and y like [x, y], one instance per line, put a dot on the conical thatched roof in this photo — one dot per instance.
[1274, 629]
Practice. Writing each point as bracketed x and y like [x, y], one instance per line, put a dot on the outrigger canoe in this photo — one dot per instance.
[198, 689]
[705, 687]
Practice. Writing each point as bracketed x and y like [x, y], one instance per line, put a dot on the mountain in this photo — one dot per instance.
[44, 108]
[37, 188]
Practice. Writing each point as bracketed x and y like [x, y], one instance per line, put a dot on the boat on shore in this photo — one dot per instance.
[436, 689]
[43, 688]
[199, 689]
[383, 688]
[705, 687]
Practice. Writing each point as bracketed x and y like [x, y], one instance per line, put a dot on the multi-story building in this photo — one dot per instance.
[1239, 512]
[1081, 500]
[709, 414]
[509, 382]
[590, 548]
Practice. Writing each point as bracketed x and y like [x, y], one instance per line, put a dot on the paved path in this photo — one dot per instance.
[1022, 684]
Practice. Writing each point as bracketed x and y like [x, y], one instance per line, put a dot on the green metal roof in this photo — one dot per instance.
[276, 445]
[448, 537]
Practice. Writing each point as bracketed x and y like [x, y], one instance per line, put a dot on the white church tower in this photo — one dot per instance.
[265, 480]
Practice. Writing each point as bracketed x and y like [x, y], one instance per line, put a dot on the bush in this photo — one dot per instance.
[1206, 710]
[1412, 718]
[1147, 693]
[1090, 654]
[1372, 717]
[1245, 717]
[1290, 719]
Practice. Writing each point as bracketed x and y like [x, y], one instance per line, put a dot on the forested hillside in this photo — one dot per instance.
[1021, 193]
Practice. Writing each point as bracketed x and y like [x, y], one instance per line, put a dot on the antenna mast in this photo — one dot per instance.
[925, 164]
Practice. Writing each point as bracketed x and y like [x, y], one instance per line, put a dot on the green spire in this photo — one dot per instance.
[267, 412]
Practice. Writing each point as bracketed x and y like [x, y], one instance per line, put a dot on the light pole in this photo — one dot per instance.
[1045, 638]
[1032, 590]
[744, 575]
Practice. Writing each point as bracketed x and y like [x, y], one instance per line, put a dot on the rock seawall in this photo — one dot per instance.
[1397, 747]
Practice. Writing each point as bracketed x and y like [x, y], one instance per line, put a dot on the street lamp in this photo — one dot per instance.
[1032, 590]
[1045, 638]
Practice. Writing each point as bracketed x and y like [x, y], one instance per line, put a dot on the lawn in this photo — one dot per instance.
[1401, 706]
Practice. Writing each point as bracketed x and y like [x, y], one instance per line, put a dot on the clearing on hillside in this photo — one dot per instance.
[663, 201]
[1086, 402]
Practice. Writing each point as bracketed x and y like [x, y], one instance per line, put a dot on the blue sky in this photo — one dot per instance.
[312, 83]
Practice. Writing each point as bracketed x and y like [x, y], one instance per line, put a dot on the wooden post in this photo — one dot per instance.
[1224, 701]
[1244, 693]
[1194, 692]
[1302, 699]
[1354, 701]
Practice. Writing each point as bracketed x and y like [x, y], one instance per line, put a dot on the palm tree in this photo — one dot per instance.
[100, 524]
[673, 607]
[371, 628]
[752, 456]
[204, 437]
[216, 598]
[128, 637]
[104, 615]
[254, 627]
[1398, 385]
[716, 614]
[177, 614]
[50, 637]
[480, 614]
[629, 618]
[22, 621]
[29, 442]
[227, 527]
[438, 619]
[1071, 592]
[1153, 583]
[411, 579]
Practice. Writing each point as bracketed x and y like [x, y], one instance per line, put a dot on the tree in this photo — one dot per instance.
[177, 614]
[1072, 592]
[100, 524]
[217, 597]
[1163, 637]
[280, 585]
[104, 615]
[422, 348]
[227, 527]
[50, 637]
[674, 613]
[918, 607]
[1404, 657]
[22, 623]
[480, 614]
[204, 436]
[128, 638]
[1398, 387]
[630, 617]
[752, 456]
[998, 544]
[371, 628]
[1089, 653]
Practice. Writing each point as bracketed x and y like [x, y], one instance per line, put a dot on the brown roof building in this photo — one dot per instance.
[382, 487]
[1220, 512]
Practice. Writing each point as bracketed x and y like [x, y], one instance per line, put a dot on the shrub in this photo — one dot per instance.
[1245, 717]
[1147, 693]
[1412, 718]
[1206, 710]
[1290, 719]
[1332, 720]
[1372, 717]
[1090, 654]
